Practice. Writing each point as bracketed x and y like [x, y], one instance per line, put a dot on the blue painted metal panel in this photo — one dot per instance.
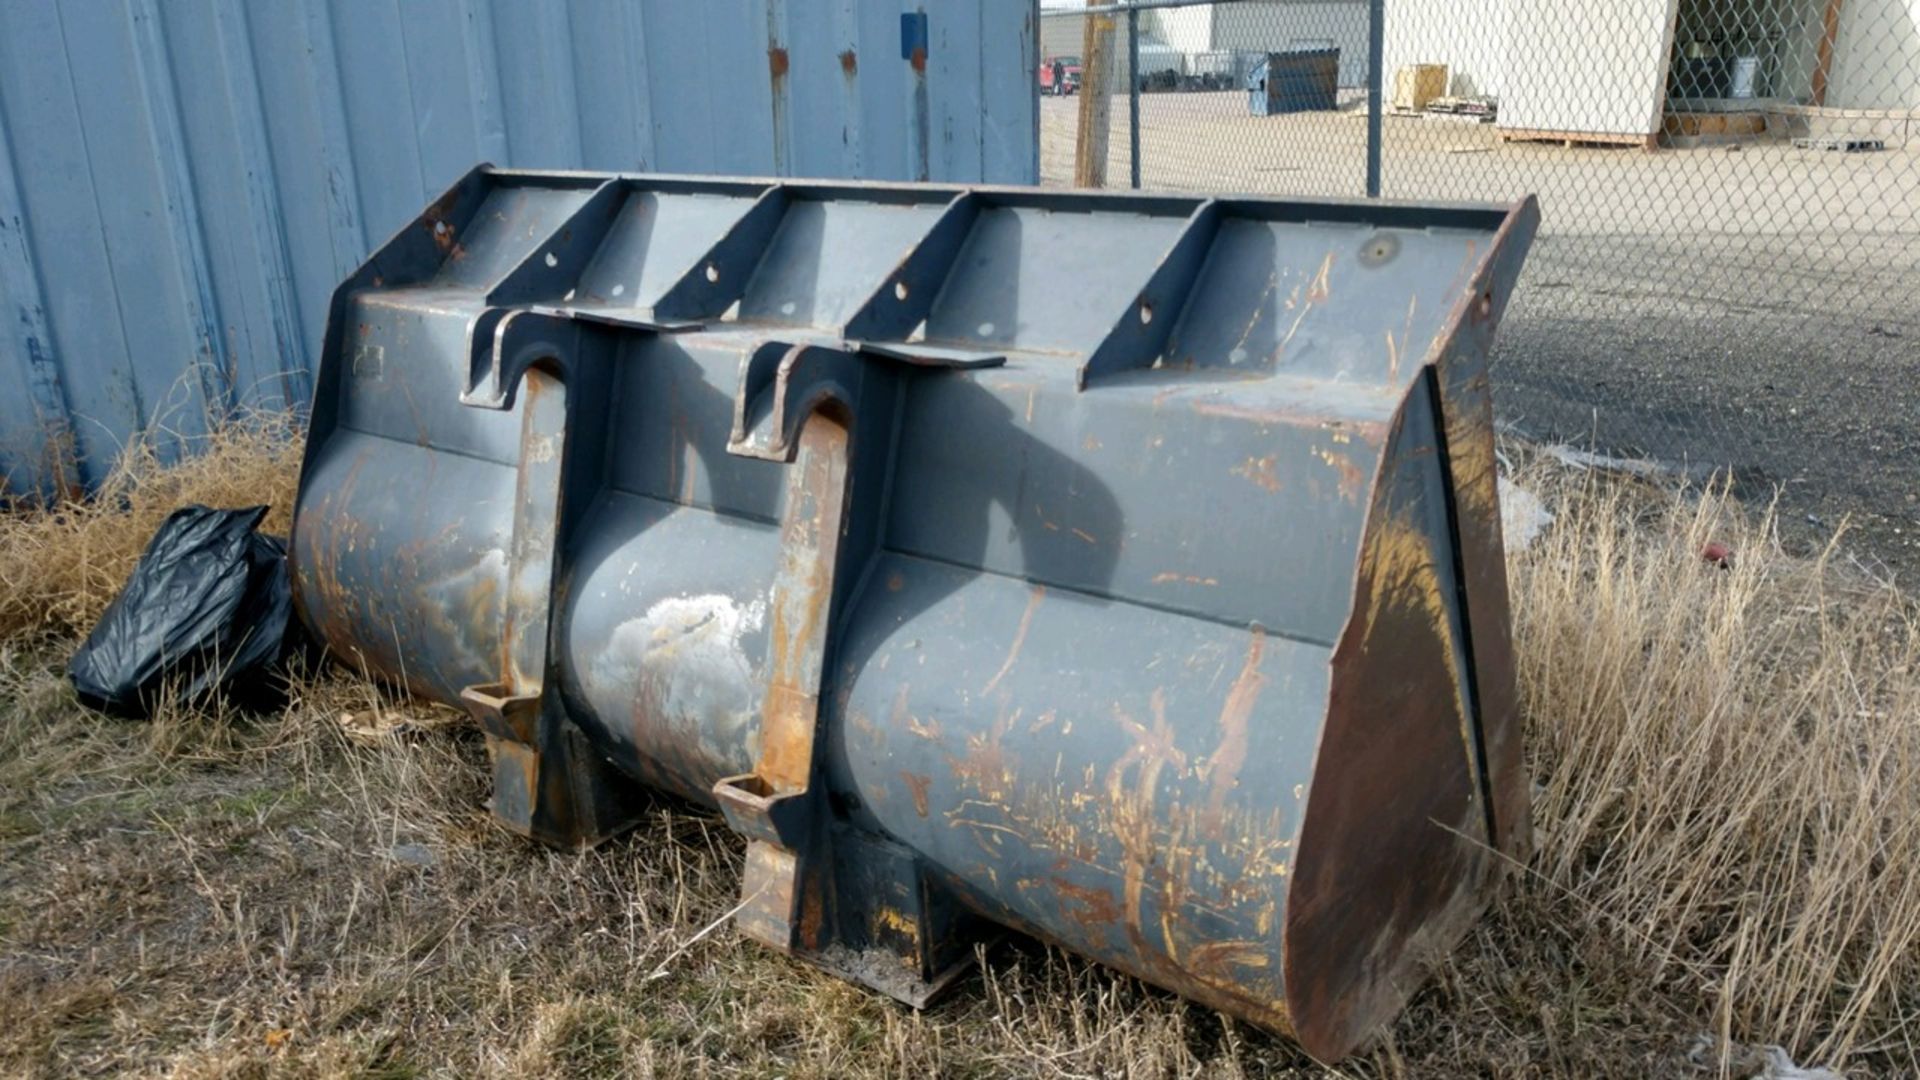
[182, 182]
[58, 219]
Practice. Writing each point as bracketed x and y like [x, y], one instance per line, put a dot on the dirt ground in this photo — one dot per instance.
[1749, 309]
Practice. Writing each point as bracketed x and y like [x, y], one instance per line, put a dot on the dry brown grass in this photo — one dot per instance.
[1730, 765]
[61, 565]
[1728, 772]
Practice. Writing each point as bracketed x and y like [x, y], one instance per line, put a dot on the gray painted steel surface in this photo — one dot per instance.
[1125, 569]
[182, 183]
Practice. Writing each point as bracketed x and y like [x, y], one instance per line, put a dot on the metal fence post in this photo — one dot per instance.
[1376, 50]
[1133, 93]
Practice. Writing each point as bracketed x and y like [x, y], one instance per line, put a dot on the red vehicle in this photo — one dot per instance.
[1060, 75]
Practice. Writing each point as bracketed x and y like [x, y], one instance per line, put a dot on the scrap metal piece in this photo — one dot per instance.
[1120, 569]
[1845, 144]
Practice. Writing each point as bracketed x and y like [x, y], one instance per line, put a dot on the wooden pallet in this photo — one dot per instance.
[1571, 139]
[1709, 125]
[1442, 117]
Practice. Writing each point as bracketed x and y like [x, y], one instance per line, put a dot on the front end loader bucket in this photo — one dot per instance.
[1123, 569]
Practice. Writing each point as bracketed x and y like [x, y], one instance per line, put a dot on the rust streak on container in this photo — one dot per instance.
[435, 219]
[1087, 905]
[1351, 479]
[1214, 961]
[813, 911]
[1283, 416]
[1319, 290]
[1223, 768]
[1133, 820]
[1261, 471]
[1019, 638]
[849, 63]
[984, 765]
[917, 785]
[777, 61]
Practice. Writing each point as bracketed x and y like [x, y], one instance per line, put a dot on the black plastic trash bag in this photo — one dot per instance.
[206, 609]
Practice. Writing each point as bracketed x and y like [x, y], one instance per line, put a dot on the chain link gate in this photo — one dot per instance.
[1730, 190]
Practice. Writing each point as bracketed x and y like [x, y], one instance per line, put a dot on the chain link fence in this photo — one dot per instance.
[1727, 274]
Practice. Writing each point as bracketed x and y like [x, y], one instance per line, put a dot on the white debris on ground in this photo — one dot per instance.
[1587, 459]
[379, 726]
[1755, 1062]
[1523, 517]
[413, 854]
[1781, 1067]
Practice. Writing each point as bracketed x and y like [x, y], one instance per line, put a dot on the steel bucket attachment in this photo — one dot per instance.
[1122, 569]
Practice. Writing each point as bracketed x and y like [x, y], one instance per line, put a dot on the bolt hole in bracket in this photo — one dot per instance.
[876, 515]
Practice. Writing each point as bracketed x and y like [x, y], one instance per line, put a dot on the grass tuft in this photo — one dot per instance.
[60, 565]
[1727, 762]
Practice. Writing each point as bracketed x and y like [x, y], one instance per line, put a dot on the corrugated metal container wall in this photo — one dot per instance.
[183, 182]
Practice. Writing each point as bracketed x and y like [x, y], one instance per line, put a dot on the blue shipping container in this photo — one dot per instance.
[183, 182]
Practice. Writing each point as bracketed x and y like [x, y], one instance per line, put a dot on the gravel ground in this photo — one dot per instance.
[1748, 309]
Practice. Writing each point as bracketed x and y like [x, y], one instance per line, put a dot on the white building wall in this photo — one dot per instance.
[1470, 38]
[1061, 34]
[1190, 29]
[1876, 56]
[1587, 68]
